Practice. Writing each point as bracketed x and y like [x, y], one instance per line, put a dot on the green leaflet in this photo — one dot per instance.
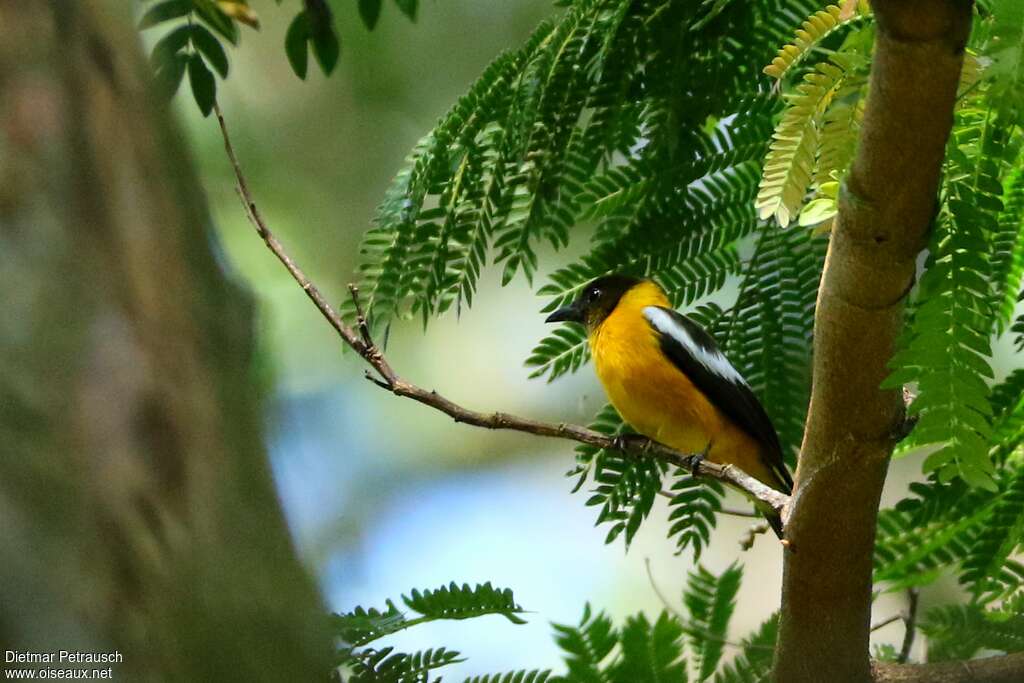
[694, 505]
[710, 601]
[387, 666]
[535, 676]
[586, 646]
[361, 626]
[753, 664]
[947, 344]
[960, 631]
[767, 334]
[814, 30]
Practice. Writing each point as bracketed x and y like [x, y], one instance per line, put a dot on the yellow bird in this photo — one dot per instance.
[668, 380]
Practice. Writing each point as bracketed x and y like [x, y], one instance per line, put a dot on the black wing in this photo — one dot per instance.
[694, 352]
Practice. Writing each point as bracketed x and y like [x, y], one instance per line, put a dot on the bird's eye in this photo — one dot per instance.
[593, 294]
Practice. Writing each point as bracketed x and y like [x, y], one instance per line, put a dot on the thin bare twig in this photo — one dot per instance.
[749, 514]
[910, 620]
[885, 622]
[362, 343]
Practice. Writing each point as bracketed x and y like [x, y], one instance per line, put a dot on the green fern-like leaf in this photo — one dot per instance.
[624, 487]
[710, 601]
[958, 632]
[193, 45]
[362, 625]
[563, 351]
[581, 124]
[767, 333]
[535, 676]
[840, 127]
[948, 348]
[988, 567]
[789, 166]
[607, 422]
[695, 505]
[650, 653]
[423, 258]
[587, 646]
[387, 666]
[1007, 400]
[625, 490]
[812, 32]
[463, 602]
[753, 664]
[1006, 49]
[915, 552]
[1007, 257]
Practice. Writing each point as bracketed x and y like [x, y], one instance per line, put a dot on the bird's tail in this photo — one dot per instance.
[774, 521]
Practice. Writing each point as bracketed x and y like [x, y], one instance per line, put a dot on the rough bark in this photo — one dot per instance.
[1005, 669]
[137, 509]
[885, 212]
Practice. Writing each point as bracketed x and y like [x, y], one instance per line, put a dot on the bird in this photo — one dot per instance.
[669, 381]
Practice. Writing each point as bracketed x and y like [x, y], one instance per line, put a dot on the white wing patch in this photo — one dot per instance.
[712, 359]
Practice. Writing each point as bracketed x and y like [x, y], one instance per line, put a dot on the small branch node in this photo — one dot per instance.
[380, 383]
[364, 328]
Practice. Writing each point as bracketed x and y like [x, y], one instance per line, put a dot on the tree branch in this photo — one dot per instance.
[910, 625]
[886, 207]
[885, 622]
[999, 669]
[362, 343]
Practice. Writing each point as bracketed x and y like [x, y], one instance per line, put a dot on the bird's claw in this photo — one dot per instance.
[625, 442]
[695, 462]
[698, 458]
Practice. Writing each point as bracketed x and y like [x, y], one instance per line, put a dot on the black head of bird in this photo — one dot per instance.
[596, 301]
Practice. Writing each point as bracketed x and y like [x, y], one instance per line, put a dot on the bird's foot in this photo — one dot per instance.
[698, 458]
[695, 461]
[630, 442]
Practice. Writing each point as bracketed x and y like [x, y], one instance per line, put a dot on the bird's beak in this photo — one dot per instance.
[569, 314]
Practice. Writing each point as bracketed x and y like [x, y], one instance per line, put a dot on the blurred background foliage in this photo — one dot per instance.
[384, 495]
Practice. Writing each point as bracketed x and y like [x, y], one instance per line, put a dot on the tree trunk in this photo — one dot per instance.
[137, 512]
[886, 208]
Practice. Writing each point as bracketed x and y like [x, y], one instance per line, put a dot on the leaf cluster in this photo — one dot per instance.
[362, 626]
[195, 34]
[595, 650]
[961, 631]
[644, 650]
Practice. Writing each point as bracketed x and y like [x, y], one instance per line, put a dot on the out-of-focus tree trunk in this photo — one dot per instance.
[136, 508]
